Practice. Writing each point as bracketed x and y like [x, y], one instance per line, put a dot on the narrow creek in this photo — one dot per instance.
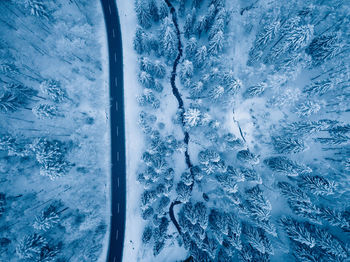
[178, 97]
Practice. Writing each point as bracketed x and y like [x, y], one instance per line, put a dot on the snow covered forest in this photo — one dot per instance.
[245, 115]
[54, 165]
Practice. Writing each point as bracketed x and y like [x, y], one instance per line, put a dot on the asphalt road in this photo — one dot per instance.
[118, 183]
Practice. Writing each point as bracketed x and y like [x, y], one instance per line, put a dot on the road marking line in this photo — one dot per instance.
[116, 235]
[118, 208]
[115, 60]
[114, 259]
[110, 11]
[118, 182]
[117, 156]
[116, 81]
[116, 105]
[113, 33]
[117, 130]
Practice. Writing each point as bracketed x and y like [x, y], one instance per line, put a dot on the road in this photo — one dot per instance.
[118, 175]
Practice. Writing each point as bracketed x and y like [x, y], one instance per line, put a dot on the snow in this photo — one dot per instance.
[133, 134]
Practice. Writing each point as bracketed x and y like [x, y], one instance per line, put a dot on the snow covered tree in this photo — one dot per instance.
[44, 111]
[335, 218]
[51, 157]
[47, 219]
[293, 193]
[54, 90]
[183, 192]
[143, 13]
[227, 182]
[201, 213]
[148, 98]
[141, 41]
[189, 24]
[146, 79]
[319, 87]
[163, 204]
[247, 156]
[148, 197]
[200, 25]
[186, 71]
[324, 47]
[35, 248]
[191, 48]
[147, 234]
[22, 91]
[10, 102]
[168, 38]
[192, 117]
[216, 44]
[154, 10]
[299, 232]
[318, 185]
[200, 57]
[257, 239]
[163, 10]
[308, 108]
[159, 69]
[287, 145]
[286, 166]
[255, 90]
[147, 213]
[36, 8]
[187, 178]
[330, 243]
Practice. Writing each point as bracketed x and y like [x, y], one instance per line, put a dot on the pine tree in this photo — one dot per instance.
[247, 156]
[147, 234]
[319, 87]
[192, 117]
[140, 41]
[324, 47]
[257, 239]
[200, 211]
[37, 8]
[329, 243]
[308, 108]
[191, 48]
[286, 166]
[44, 111]
[216, 44]
[154, 10]
[318, 185]
[47, 219]
[189, 24]
[186, 71]
[148, 98]
[10, 102]
[146, 79]
[143, 12]
[200, 57]
[288, 145]
[54, 90]
[299, 232]
[51, 157]
[163, 10]
[183, 192]
[168, 39]
[334, 218]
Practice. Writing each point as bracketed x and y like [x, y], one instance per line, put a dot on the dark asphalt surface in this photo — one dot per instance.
[118, 183]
